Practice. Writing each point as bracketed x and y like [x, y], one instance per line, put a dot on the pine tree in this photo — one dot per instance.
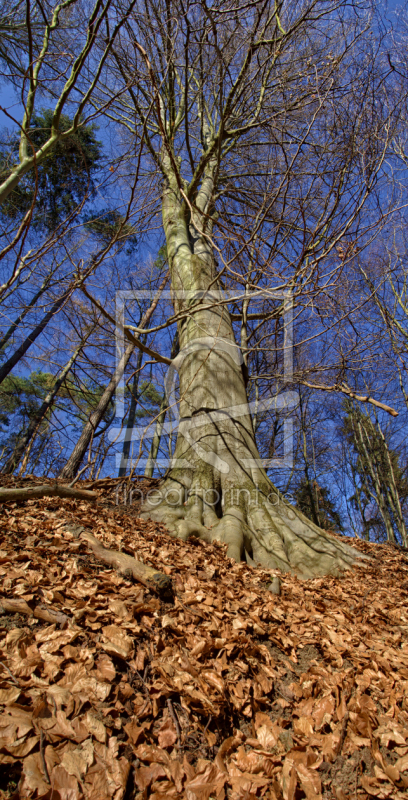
[63, 179]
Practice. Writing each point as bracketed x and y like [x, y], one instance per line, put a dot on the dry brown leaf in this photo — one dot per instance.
[144, 776]
[21, 747]
[8, 696]
[96, 727]
[208, 781]
[119, 608]
[105, 669]
[213, 666]
[289, 779]
[310, 782]
[76, 762]
[65, 784]
[402, 764]
[267, 737]
[167, 735]
[33, 778]
[116, 641]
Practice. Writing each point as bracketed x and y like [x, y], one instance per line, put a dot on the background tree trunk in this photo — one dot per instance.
[131, 418]
[154, 448]
[24, 440]
[75, 460]
[18, 354]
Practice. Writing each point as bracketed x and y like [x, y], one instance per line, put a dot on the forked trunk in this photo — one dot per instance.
[216, 487]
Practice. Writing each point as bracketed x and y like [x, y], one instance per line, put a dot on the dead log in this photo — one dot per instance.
[126, 565]
[47, 490]
[19, 606]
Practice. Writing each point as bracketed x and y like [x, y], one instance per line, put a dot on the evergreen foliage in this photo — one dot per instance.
[312, 497]
[63, 179]
[107, 224]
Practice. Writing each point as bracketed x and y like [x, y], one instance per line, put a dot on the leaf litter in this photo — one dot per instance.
[228, 691]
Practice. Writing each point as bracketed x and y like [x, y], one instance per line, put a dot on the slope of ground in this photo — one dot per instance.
[228, 692]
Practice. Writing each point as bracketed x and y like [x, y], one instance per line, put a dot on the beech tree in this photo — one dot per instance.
[258, 129]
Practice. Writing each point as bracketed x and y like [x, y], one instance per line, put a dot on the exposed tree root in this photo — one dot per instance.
[252, 518]
[47, 490]
[125, 564]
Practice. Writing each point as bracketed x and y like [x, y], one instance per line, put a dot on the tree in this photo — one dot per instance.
[21, 350]
[63, 179]
[315, 502]
[7, 335]
[88, 432]
[62, 51]
[20, 400]
[260, 126]
[160, 420]
[23, 441]
[380, 482]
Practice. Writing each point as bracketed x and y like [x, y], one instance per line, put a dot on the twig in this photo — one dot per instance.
[136, 672]
[44, 766]
[363, 601]
[144, 686]
[53, 702]
[358, 770]
[342, 387]
[77, 476]
[190, 610]
[343, 733]
[175, 720]
[11, 674]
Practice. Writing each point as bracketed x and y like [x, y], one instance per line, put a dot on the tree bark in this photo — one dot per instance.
[74, 462]
[124, 563]
[154, 448]
[15, 606]
[13, 327]
[48, 490]
[25, 439]
[217, 488]
[131, 418]
[18, 354]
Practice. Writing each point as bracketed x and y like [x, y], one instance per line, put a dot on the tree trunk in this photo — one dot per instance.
[75, 460]
[154, 448]
[131, 418]
[13, 327]
[216, 488]
[35, 421]
[18, 354]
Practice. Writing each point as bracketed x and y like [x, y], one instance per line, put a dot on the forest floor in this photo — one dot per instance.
[228, 691]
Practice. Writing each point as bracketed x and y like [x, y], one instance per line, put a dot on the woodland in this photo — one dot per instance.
[203, 398]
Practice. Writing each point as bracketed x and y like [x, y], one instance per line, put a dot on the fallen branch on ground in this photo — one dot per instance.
[14, 606]
[125, 564]
[47, 490]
